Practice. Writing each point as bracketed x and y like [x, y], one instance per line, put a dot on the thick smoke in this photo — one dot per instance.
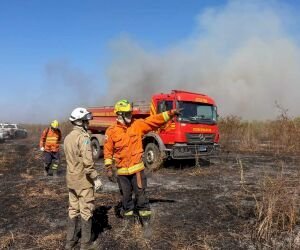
[241, 54]
[66, 87]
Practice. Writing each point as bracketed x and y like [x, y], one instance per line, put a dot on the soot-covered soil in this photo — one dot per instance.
[202, 207]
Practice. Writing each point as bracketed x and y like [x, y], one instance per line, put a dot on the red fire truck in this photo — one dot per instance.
[192, 134]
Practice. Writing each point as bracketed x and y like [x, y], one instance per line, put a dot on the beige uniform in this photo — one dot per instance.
[80, 172]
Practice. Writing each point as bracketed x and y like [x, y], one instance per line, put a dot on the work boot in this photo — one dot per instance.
[86, 233]
[46, 171]
[128, 222]
[73, 229]
[145, 217]
[146, 227]
[55, 175]
[145, 221]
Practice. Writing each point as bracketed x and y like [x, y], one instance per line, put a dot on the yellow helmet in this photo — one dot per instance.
[54, 124]
[122, 106]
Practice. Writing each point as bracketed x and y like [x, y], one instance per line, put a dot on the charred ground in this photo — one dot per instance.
[205, 207]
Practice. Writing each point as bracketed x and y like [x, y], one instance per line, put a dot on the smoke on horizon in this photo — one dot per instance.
[241, 54]
[244, 54]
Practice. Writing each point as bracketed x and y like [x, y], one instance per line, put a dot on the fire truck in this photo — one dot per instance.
[192, 134]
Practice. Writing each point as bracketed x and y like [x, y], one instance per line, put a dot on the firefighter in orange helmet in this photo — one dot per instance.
[123, 143]
[49, 144]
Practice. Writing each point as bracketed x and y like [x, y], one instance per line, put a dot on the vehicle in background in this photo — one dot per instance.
[1, 136]
[13, 130]
[4, 134]
[193, 134]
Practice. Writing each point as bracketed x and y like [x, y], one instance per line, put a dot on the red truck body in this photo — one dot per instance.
[193, 134]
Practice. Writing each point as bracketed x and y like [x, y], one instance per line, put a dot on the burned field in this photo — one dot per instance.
[239, 201]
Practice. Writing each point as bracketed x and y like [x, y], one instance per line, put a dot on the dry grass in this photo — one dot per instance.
[197, 171]
[35, 130]
[7, 241]
[51, 241]
[276, 210]
[277, 136]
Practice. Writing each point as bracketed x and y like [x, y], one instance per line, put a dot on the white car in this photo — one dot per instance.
[2, 136]
[13, 130]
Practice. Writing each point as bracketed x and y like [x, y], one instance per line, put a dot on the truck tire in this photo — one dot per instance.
[153, 159]
[97, 150]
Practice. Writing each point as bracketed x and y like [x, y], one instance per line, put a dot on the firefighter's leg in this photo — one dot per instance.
[119, 212]
[47, 162]
[73, 228]
[127, 202]
[139, 183]
[73, 224]
[87, 206]
[55, 163]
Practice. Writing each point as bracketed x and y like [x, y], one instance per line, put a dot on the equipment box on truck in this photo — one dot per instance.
[192, 134]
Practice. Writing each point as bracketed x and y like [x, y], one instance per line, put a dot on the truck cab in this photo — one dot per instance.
[192, 134]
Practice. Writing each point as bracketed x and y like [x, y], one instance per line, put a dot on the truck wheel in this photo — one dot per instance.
[97, 150]
[153, 159]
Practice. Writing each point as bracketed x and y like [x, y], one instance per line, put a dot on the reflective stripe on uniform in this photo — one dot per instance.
[131, 170]
[145, 213]
[52, 139]
[166, 116]
[108, 161]
[129, 213]
[54, 166]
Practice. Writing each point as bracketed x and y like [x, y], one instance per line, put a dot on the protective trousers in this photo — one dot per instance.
[51, 159]
[81, 202]
[136, 183]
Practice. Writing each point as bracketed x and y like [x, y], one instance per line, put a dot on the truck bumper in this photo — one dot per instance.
[184, 151]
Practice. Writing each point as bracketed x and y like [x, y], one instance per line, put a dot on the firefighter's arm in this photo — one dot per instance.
[108, 148]
[87, 157]
[108, 155]
[156, 121]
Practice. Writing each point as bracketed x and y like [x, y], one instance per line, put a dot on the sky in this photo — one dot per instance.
[56, 55]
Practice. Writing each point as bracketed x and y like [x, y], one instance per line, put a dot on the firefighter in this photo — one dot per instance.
[49, 144]
[82, 180]
[123, 146]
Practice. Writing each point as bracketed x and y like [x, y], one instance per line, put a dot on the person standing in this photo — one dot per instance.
[82, 180]
[123, 146]
[49, 144]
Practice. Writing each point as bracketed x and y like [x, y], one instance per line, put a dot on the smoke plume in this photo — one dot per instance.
[242, 54]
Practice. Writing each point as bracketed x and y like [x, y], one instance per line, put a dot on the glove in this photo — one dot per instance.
[42, 149]
[97, 184]
[110, 175]
[176, 111]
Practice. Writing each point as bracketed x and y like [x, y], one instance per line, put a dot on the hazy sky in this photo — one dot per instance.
[56, 55]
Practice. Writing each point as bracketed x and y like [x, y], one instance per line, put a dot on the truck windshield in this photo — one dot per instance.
[194, 112]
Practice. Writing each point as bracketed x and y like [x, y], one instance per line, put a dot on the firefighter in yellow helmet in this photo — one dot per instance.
[123, 146]
[49, 144]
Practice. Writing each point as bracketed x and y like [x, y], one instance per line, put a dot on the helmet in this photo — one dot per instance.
[54, 124]
[122, 106]
[80, 114]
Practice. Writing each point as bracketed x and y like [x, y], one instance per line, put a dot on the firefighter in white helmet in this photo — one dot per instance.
[49, 144]
[82, 180]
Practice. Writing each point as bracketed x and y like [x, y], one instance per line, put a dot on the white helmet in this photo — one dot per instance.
[80, 114]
